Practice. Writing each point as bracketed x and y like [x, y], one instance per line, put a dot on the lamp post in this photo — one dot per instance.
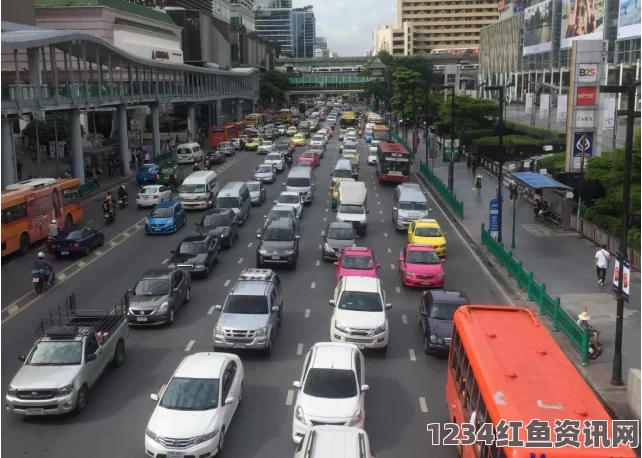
[616, 376]
[500, 175]
[510, 149]
[479, 91]
[451, 166]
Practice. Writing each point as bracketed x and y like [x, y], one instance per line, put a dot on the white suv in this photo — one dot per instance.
[318, 141]
[341, 441]
[331, 389]
[360, 313]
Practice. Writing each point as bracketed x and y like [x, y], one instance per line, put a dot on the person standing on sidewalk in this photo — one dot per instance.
[19, 169]
[602, 263]
[474, 167]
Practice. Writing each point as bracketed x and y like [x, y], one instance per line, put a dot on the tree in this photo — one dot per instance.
[46, 131]
[273, 86]
[470, 113]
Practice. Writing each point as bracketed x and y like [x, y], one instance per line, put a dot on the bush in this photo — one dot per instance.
[555, 161]
[533, 131]
[514, 139]
[468, 137]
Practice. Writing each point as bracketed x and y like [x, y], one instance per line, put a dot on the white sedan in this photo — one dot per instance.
[194, 412]
[152, 195]
[291, 199]
[372, 159]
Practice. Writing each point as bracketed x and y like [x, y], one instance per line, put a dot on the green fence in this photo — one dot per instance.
[166, 156]
[535, 291]
[403, 142]
[87, 188]
[443, 190]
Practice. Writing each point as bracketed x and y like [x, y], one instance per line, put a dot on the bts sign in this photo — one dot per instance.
[586, 96]
[586, 73]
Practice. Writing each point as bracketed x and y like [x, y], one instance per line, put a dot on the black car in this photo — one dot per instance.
[157, 295]
[221, 223]
[436, 312]
[196, 254]
[75, 240]
[214, 157]
[279, 243]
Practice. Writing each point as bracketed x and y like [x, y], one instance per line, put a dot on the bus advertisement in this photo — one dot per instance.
[29, 207]
[506, 373]
[220, 134]
[393, 162]
[254, 120]
[381, 133]
[348, 119]
[239, 127]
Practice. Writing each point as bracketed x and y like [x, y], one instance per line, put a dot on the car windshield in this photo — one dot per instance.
[216, 220]
[283, 147]
[351, 209]
[58, 353]
[443, 311]
[191, 394]
[288, 198]
[423, 257]
[147, 168]
[162, 212]
[274, 214]
[73, 235]
[264, 169]
[360, 301]
[318, 151]
[317, 138]
[340, 233]
[428, 232]
[225, 145]
[349, 148]
[148, 190]
[342, 173]
[253, 187]
[278, 234]
[330, 383]
[192, 248]
[183, 151]
[418, 206]
[247, 305]
[273, 157]
[227, 202]
[192, 189]
[307, 155]
[357, 262]
[267, 143]
[152, 287]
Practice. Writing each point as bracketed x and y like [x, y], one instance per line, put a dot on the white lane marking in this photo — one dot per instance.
[165, 261]
[321, 233]
[376, 195]
[299, 349]
[227, 282]
[137, 226]
[89, 222]
[378, 203]
[113, 243]
[385, 234]
[313, 285]
[258, 230]
[381, 212]
[212, 308]
[325, 219]
[422, 405]
[382, 221]
[290, 398]
[98, 253]
[393, 267]
[190, 345]
[320, 246]
[61, 276]
[389, 250]
[240, 261]
[249, 245]
[82, 263]
[413, 357]
[404, 319]
[398, 290]
[162, 389]
[307, 313]
[126, 234]
[327, 201]
[318, 263]
[326, 210]
[13, 309]
[8, 264]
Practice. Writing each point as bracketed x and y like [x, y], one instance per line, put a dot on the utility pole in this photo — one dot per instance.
[581, 187]
[451, 166]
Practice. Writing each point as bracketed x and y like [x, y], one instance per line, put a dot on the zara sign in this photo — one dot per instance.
[584, 119]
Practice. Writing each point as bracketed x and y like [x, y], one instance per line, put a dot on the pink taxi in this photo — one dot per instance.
[311, 157]
[420, 266]
[356, 262]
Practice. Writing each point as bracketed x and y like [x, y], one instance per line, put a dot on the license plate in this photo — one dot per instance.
[145, 197]
[171, 454]
[239, 346]
[141, 318]
[425, 282]
[361, 346]
[276, 258]
[157, 229]
[35, 411]
[36, 280]
[64, 253]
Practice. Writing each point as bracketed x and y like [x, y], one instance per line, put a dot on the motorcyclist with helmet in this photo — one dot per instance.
[108, 206]
[122, 194]
[289, 162]
[45, 266]
[196, 168]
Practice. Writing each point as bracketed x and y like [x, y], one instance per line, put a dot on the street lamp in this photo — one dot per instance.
[451, 166]
[510, 149]
[479, 91]
[616, 376]
[500, 176]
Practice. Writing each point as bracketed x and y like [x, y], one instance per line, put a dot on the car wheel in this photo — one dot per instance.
[221, 440]
[241, 394]
[230, 241]
[101, 241]
[207, 272]
[170, 316]
[81, 399]
[427, 349]
[119, 355]
[268, 350]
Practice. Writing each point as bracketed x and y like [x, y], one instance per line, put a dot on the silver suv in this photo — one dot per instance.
[252, 312]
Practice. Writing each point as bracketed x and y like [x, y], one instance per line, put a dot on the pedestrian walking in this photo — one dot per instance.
[121, 167]
[110, 168]
[478, 183]
[602, 258]
[19, 169]
[474, 167]
[133, 160]
[512, 187]
[139, 158]
[147, 158]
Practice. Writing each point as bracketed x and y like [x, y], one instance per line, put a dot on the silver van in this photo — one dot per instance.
[301, 180]
[236, 196]
[409, 204]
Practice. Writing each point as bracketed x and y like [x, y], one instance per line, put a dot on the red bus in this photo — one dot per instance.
[220, 134]
[393, 162]
[240, 128]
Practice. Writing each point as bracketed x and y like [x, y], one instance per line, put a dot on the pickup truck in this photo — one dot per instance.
[71, 353]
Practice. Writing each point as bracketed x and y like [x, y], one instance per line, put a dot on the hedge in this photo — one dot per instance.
[471, 135]
[533, 131]
[513, 139]
[555, 161]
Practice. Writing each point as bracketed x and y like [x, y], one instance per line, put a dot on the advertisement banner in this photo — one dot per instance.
[629, 19]
[626, 288]
[586, 73]
[544, 105]
[529, 103]
[609, 112]
[586, 96]
[538, 20]
[562, 106]
[582, 20]
[584, 119]
[493, 218]
[582, 146]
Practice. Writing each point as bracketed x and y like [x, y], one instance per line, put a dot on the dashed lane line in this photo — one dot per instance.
[82, 263]
[299, 349]
[165, 261]
[240, 261]
[318, 263]
[190, 345]
[98, 253]
[404, 319]
[393, 267]
[422, 405]
[385, 234]
[249, 245]
[211, 310]
[307, 313]
[290, 398]
[313, 285]
[389, 250]
[61, 276]
[398, 290]
[227, 282]
[413, 357]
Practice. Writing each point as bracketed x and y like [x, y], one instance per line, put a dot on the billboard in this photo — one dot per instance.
[628, 25]
[582, 148]
[538, 36]
[581, 20]
[586, 96]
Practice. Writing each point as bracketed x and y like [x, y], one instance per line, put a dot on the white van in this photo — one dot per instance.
[301, 180]
[187, 153]
[199, 190]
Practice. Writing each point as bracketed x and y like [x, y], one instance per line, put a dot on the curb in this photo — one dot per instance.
[115, 184]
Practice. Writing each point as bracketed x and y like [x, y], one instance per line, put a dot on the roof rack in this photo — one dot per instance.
[64, 322]
[256, 274]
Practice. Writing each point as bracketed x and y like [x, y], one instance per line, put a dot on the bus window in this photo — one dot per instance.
[71, 195]
[13, 213]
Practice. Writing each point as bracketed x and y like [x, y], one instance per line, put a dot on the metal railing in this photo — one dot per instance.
[443, 190]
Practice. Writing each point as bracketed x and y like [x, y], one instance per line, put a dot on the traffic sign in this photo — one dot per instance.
[493, 217]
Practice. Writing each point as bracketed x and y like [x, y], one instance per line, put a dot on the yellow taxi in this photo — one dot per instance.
[428, 232]
[253, 144]
[299, 140]
[353, 157]
[334, 191]
[292, 130]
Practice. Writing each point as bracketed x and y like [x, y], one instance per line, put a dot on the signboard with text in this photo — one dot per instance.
[586, 96]
[447, 151]
[493, 218]
[582, 146]
[587, 73]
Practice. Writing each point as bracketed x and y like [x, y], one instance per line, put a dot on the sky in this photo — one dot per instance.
[348, 25]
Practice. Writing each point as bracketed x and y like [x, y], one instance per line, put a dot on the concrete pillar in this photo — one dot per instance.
[191, 121]
[123, 139]
[209, 116]
[156, 138]
[77, 163]
[8, 153]
[34, 64]
[239, 110]
[219, 112]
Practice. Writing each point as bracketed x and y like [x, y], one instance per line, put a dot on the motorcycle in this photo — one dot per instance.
[39, 280]
[123, 201]
[109, 214]
[289, 163]
[360, 133]
[207, 164]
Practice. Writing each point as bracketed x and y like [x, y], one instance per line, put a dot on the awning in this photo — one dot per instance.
[539, 181]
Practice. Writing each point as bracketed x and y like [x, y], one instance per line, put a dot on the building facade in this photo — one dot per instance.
[304, 33]
[273, 20]
[242, 14]
[382, 39]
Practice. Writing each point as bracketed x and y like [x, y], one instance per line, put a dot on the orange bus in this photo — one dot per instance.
[255, 120]
[240, 128]
[29, 206]
[381, 133]
[220, 134]
[505, 365]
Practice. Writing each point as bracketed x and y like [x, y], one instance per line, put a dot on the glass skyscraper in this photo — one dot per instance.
[303, 33]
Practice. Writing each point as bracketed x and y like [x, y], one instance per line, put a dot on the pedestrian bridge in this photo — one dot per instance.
[358, 61]
[309, 84]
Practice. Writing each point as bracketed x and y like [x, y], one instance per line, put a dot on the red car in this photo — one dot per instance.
[420, 266]
[356, 262]
[311, 157]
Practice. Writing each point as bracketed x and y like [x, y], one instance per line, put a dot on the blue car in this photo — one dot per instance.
[147, 174]
[166, 218]
[368, 138]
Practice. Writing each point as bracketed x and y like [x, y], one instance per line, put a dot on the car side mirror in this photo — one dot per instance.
[443, 260]
[229, 400]
[173, 251]
[275, 200]
[175, 290]
[22, 358]
[296, 384]
[429, 210]
[378, 266]
[388, 306]
[297, 237]
[332, 302]
[367, 211]
[154, 397]
[336, 263]
[365, 387]
[275, 308]
[322, 233]
[218, 308]
[197, 224]
[258, 236]
[331, 174]
[264, 216]
[91, 357]
[394, 208]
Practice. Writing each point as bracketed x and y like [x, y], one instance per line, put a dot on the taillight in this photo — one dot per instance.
[175, 177]
[155, 197]
[76, 245]
[158, 177]
[54, 246]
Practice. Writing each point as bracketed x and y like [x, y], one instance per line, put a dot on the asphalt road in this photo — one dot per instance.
[407, 388]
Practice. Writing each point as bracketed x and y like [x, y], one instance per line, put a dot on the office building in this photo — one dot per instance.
[273, 20]
[322, 44]
[382, 39]
[367, 53]
[242, 14]
[304, 33]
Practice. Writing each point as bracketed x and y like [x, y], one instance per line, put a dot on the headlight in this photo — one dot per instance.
[356, 418]
[261, 332]
[300, 415]
[163, 307]
[328, 248]
[170, 223]
[206, 437]
[288, 252]
[151, 434]
[339, 326]
[11, 391]
[409, 274]
[380, 329]
[199, 266]
[263, 252]
[171, 266]
[433, 338]
[65, 390]
[440, 275]
[219, 331]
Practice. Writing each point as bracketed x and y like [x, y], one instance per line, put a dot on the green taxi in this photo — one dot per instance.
[166, 170]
